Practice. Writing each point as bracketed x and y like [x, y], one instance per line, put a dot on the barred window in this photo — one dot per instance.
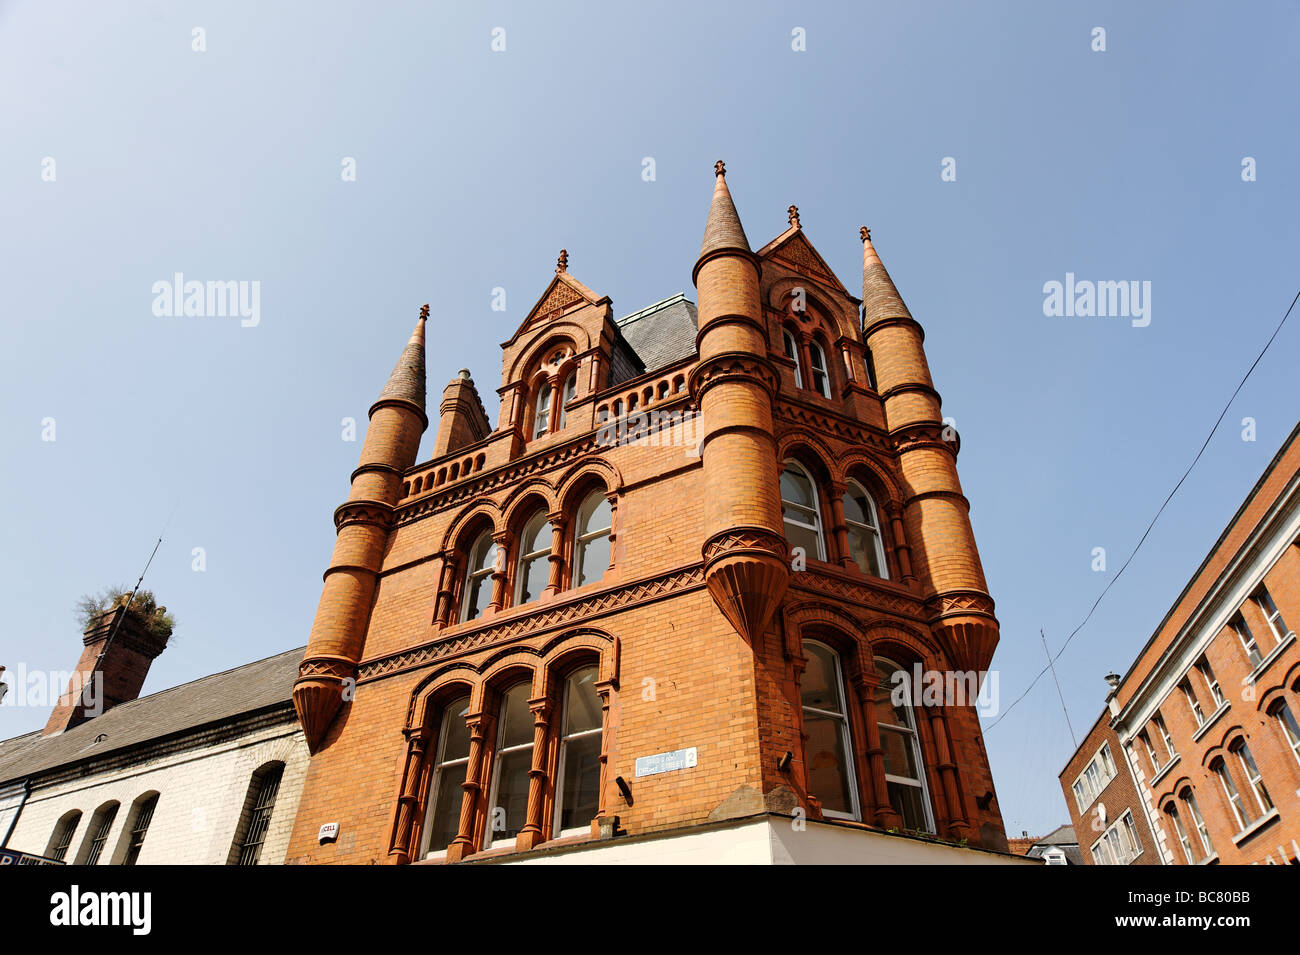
[62, 836]
[100, 825]
[261, 804]
[139, 827]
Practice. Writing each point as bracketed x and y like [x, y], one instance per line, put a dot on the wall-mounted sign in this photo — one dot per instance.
[328, 832]
[666, 762]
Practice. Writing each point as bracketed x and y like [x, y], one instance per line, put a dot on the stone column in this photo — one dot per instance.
[408, 803]
[839, 526]
[532, 834]
[463, 844]
[555, 582]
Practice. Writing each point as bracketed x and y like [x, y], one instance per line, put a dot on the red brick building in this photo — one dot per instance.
[658, 609]
[1196, 759]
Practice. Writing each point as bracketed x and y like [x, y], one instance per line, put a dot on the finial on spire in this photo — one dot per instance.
[424, 312]
[793, 214]
[562, 264]
[865, 233]
[720, 168]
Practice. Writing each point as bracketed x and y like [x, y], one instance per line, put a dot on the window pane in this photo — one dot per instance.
[820, 684]
[581, 786]
[516, 718]
[534, 574]
[827, 775]
[511, 810]
[865, 551]
[900, 753]
[796, 488]
[594, 515]
[583, 704]
[536, 536]
[805, 538]
[446, 806]
[907, 802]
[455, 744]
[592, 560]
[480, 595]
[886, 687]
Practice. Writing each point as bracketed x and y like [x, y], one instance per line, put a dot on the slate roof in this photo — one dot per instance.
[662, 333]
[222, 696]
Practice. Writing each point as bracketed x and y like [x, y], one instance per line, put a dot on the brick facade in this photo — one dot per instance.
[700, 620]
[1246, 725]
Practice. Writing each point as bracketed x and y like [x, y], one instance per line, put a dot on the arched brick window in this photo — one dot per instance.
[97, 834]
[542, 410]
[904, 767]
[1176, 823]
[828, 747]
[792, 352]
[1188, 798]
[1286, 721]
[591, 538]
[512, 759]
[534, 569]
[446, 794]
[800, 511]
[821, 376]
[577, 785]
[478, 577]
[137, 827]
[567, 394]
[863, 522]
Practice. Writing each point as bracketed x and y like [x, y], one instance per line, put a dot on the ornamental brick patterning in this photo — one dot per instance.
[657, 595]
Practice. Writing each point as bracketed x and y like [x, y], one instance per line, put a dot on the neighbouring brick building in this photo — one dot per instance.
[1196, 759]
[656, 612]
[207, 773]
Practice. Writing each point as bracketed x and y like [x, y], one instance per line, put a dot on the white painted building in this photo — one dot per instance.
[207, 773]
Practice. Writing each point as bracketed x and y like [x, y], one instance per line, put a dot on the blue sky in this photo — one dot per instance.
[475, 167]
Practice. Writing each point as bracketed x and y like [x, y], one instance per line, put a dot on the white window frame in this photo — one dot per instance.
[1268, 607]
[1094, 777]
[1253, 777]
[499, 751]
[579, 539]
[542, 411]
[561, 762]
[1119, 844]
[1211, 681]
[792, 352]
[473, 573]
[816, 526]
[1286, 721]
[846, 737]
[439, 766]
[821, 376]
[543, 553]
[567, 394]
[1229, 786]
[1248, 641]
[1181, 832]
[873, 533]
[914, 735]
[1192, 702]
[1164, 735]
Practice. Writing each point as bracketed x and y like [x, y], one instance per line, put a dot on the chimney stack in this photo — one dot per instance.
[109, 671]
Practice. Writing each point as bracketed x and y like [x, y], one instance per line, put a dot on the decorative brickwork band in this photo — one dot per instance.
[733, 366]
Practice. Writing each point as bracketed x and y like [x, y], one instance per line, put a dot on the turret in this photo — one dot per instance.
[734, 384]
[936, 513]
[462, 420]
[397, 420]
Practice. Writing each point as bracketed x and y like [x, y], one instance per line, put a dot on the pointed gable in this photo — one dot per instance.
[564, 293]
[793, 250]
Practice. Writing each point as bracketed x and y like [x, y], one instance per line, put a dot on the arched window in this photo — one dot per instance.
[865, 545]
[97, 834]
[904, 768]
[1240, 810]
[821, 378]
[1286, 721]
[1172, 812]
[1194, 814]
[828, 751]
[255, 820]
[577, 787]
[1251, 772]
[792, 352]
[137, 828]
[567, 394]
[478, 577]
[449, 767]
[871, 368]
[534, 564]
[61, 838]
[803, 525]
[591, 539]
[542, 413]
[508, 796]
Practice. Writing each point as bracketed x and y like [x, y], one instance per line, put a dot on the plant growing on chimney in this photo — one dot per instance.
[144, 609]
